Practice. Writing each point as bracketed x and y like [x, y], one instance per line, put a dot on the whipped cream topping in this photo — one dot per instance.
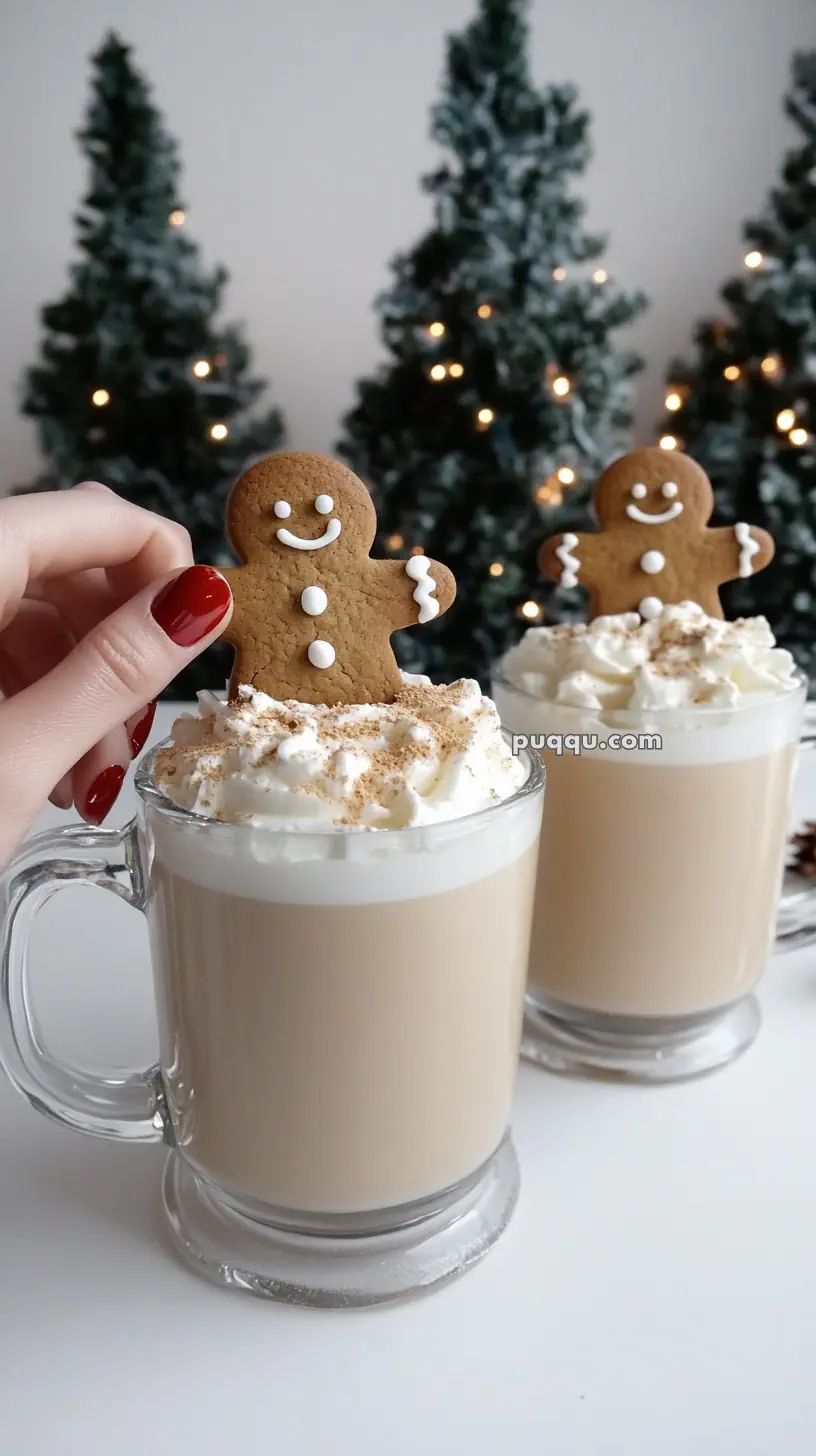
[435, 753]
[681, 658]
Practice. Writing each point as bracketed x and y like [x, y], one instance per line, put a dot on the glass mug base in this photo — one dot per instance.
[435, 1241]
[573, 1041]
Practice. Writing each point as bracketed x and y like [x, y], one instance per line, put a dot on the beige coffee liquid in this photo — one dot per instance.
[658, 883]
[342, 1057]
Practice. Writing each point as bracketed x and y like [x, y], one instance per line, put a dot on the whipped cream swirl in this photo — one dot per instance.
[435, 753]
[682, 658]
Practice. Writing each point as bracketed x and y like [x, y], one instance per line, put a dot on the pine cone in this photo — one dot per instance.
[804, 851]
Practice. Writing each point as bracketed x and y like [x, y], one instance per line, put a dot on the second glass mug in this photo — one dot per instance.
[659, 882]
[339, 1026]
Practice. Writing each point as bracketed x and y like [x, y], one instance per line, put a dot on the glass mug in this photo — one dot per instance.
[339, 1025]
[661, 860]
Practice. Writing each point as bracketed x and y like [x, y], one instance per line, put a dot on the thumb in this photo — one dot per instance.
[121, 664]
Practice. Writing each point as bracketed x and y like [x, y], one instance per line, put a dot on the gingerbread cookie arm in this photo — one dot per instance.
[415, 591]
[573, 560]
[735, 551]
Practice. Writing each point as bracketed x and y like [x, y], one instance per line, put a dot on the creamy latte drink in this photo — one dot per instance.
[341, 953]
[670, 748]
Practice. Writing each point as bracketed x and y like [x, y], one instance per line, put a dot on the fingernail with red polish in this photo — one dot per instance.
[140, 732]
[103, 793]
[189, 607]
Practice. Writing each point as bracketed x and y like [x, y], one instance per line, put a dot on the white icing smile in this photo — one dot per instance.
[301, 543]
[646, 519]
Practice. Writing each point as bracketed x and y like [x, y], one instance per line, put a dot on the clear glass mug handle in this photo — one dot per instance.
[796, 921]
[130, 1106]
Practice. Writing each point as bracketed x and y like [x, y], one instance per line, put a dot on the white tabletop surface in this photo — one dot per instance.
[655, 1292]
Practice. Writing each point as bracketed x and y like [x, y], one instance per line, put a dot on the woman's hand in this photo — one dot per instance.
[100, 607]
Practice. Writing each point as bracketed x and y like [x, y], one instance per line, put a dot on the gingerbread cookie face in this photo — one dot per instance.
[654, 547]
[299, 502]
[654, 488]
[313, 613]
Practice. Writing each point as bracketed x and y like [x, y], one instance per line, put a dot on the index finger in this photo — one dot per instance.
[59, 532]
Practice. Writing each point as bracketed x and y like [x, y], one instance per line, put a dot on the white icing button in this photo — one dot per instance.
[324, 504]
[282, 509]
[314, 601]
[650, 607]
[320, 654]
[639, 491]
[652, 562]
[669, 489]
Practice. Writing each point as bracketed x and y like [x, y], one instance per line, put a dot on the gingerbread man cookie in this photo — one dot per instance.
[655, 546]
[313, 612]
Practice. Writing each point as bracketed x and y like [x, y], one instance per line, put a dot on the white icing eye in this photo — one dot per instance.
[669, 489]
[282, 509]
[324, 504]
[639, 491]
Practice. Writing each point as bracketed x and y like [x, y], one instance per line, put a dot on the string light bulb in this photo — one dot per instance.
[785, 420]
[496, 569]
[530, 610]
[668, 442]
[202, 368]
[436, 330]
[673, 401]
[566, 474]
[561, 386]
[437, 372]
[484, 417]
[559, 274]
[600, 275]
[100, 397]
[393, 543]
[799, 436]
[485, 310]
[218, 432]
[731, 371]
[417, 550]
[549, 493]
[771, 365]
[176, 218]
[754, 259]
[455, 371]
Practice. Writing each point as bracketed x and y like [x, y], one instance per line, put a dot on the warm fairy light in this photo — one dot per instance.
[496, 569]
[600, 275]
[673, 400]
[436, 331]
[417, 550]
[438, 372]
[566, 474]
[799, 436]
[549, 493]
[100, 397]
[753, 259]
[393, 543]
[485, 310]
[530, 610]
[668, 442]
[455, 371]
[559, 274]
[785, 420]
[731, 371]
[176, 218]
[485, 417]
[218, 432]
[561, 385]
[202, 368]
[771, 365]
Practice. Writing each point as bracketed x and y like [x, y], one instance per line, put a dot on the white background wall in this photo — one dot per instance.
[303, 126]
